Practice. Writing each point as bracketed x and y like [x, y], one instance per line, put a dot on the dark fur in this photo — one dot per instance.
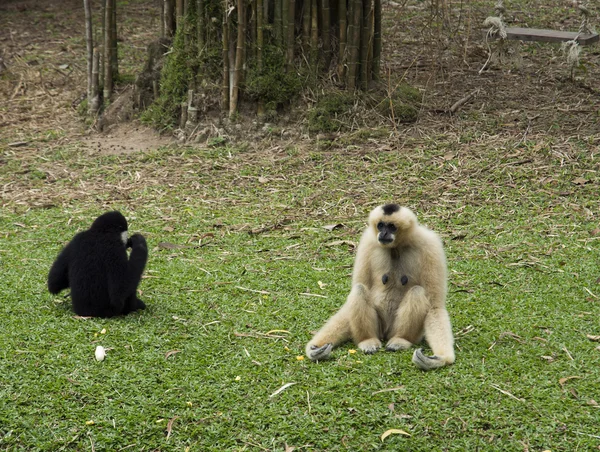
[389, 209]
[103, 280]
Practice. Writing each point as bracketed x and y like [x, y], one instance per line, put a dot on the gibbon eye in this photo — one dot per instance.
[380, 225]
[392, 228]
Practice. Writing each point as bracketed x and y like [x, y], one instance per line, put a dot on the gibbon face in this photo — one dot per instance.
[390, 223]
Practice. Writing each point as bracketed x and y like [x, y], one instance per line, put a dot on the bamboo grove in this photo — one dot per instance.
[262, 51]
[102, 60]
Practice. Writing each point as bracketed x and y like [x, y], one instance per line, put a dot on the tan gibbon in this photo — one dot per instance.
[398, 294]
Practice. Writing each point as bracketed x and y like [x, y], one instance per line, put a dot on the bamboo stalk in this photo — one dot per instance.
[285, 6]
[114, 51]
[364, 44]
[259, 49]
[290, 33]
[225, 79]
[161, 5]
[170, 24]
[314, 37]
[342, 13]
[354, 44]
[277, 22]
[108, 70]
[94, 101]
[200, 26]
[89, 41]
[326, 31]
[239, 58]
[376, 39]
[306, 16]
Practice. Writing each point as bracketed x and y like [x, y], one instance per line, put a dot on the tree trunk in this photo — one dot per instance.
[89, 41]
[239, 61]
[108, 46]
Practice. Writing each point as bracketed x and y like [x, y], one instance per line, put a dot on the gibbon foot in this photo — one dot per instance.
[317, 353]
[397, 343]
[370, 345]
[427, 362]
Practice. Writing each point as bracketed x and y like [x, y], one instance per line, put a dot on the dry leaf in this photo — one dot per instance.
[393, 431]
[595, 232]
[171, 353]
[331, 227]
[562, 381]
[289, 448]
[341, 242]
[168, 229]
[548, 358]
[593, 338]
[170, 426]
[263, 180]
[579, 181]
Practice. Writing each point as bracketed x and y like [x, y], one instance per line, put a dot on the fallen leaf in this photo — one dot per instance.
[562, 381]
[579, 181]
[171, 353]
[289, 448]
[170, 426]
[341, 242]
[168, 229]
[548, 358]
[391, 406]
[593, 338]
[263, 180]
[331, 227]
[393, 431]
[595, 232]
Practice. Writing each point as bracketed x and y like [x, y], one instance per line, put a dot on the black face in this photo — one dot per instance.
[386, 232]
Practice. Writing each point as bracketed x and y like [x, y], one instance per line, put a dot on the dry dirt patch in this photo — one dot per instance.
[125, 139]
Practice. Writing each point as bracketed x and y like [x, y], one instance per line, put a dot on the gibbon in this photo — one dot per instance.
[398, 293]
[95, 265]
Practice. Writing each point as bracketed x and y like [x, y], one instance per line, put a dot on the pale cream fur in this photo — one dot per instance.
[400, 314]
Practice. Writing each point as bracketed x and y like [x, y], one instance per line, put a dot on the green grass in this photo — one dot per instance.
[252, 223]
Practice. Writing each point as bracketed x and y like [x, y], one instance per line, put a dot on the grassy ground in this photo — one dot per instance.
[242, 269]
[244, 266]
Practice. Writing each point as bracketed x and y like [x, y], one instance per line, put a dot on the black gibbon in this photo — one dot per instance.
[95, 266]
[398, 294]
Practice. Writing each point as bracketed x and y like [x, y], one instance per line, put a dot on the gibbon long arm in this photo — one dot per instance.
[398, 294]
[58, 278]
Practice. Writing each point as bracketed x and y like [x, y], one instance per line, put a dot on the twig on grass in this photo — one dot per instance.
[283, 388]
[507, 393]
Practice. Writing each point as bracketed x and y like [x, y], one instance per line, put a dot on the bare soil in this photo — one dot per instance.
[436, 46]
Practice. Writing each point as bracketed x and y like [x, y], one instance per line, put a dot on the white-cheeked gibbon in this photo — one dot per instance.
[398, 294]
